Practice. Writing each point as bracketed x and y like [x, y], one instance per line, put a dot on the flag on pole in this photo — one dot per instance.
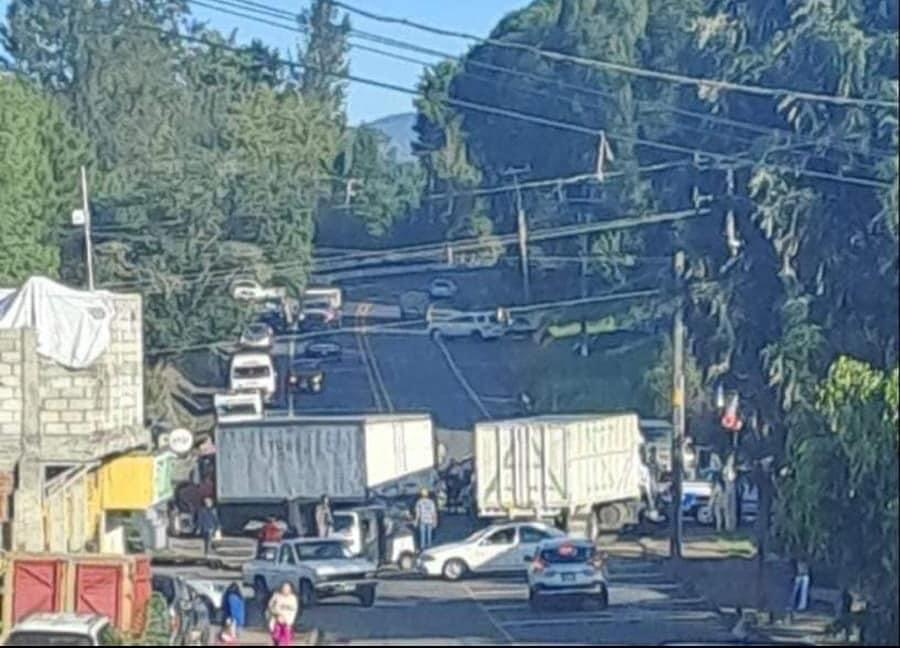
[731, 420]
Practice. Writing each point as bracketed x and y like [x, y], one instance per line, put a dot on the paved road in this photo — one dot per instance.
[645, 609]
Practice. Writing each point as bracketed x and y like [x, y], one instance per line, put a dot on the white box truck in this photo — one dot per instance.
[584, 468]
[348, 458]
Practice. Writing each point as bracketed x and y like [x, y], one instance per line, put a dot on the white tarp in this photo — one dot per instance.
[73, 326]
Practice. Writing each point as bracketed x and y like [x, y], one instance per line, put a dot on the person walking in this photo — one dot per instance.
[208, 524]
[324, 518]
[717, 503]
[234, 608]
[800, 591]
[426, 519]
[282, 614]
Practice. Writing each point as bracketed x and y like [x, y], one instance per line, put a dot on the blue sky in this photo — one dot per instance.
[366, 102]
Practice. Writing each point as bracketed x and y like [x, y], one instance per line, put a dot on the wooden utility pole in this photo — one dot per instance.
[522, 228]
[678, 407]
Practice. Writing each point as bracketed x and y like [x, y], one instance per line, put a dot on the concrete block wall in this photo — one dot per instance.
[12, 394]
[89, 413]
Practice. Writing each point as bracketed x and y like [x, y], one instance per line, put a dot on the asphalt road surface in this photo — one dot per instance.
[644, 609]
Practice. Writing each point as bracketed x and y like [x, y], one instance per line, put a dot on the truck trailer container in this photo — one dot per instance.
[348, 458]
[584, 469]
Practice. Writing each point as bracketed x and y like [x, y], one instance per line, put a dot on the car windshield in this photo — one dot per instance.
[257, 330]
[342, 522]
[322, 551]
[251, 372]
[567, 553]
[48, 639]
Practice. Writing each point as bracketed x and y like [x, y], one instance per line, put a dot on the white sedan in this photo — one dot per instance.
[258, 336]
[441, 288]
[498, 548]
[251, 290]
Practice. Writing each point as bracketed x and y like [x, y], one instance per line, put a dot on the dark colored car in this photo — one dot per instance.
[306, 376]
[323, 350]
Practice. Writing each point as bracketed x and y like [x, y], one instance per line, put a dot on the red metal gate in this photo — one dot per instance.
[98, 590]
[36, 587]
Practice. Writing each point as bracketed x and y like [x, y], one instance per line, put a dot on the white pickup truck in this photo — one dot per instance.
[317, 568]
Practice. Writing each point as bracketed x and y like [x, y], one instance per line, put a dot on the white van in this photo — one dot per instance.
[461, 324]
[238, 407]
[253, 372]
[318, 297]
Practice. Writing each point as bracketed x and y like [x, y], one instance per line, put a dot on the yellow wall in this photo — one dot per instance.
[126, 483]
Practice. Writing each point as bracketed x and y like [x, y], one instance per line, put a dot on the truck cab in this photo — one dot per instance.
[373, 533]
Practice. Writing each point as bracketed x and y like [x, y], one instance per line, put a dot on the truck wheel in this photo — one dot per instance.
[407, 562]
[307, 594]
[454, 569]
[260, 589]
[611, 517]
[366, 596]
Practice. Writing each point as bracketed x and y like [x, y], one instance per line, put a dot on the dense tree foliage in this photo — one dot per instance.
[40, 155]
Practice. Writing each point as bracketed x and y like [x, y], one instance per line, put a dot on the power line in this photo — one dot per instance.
[553, 123]
[771, 131]
[411, 252]
[644, 72]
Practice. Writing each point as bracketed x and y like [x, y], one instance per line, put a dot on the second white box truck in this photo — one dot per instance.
[585, 468]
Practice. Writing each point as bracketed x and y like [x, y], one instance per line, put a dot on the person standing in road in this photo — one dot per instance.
[729, 476]
[324, 518]
[717, 503]
[800, 592]
[426, 519]
[282, 614]
[208, 524]
[235, 608]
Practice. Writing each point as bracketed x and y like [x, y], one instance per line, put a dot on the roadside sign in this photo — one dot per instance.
[181, 441]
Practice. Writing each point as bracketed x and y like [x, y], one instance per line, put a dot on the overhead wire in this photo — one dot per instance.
[259, 8]
[555, 123]
[640, 71]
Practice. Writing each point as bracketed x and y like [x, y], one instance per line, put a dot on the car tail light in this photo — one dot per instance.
[538, 565]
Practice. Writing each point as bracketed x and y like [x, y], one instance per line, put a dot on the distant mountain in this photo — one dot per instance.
[399, 129]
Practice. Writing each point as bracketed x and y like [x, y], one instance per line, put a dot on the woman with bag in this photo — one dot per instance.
[281, 614]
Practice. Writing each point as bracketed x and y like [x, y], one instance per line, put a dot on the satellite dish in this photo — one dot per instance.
[181, 441]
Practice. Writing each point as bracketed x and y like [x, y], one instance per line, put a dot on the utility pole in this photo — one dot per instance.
[678, 406]
[88, 248]
[522, 228]
[290, 392]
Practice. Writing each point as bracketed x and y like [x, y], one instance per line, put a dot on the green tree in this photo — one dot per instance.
[324, 57]
[845, 468]
[385, 190]
[40, 155]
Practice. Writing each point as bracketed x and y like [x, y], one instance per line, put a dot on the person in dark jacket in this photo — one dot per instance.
[208, 524]
[235, 608]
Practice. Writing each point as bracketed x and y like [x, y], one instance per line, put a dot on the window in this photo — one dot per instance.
[322, 551]
[48, 639]
[505, 536]
[286, 555]
[531, 535]
[568, 554]
[251, 372]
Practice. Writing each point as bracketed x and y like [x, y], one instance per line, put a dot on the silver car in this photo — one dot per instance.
[567, 569]
[258, 336]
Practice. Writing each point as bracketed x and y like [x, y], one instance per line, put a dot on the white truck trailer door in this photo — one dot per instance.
[603, 459]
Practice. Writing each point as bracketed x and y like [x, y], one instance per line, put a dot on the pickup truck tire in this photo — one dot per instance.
[307, 594]
[366, 595]
[407, 562]
[260, 589]
[454, 569]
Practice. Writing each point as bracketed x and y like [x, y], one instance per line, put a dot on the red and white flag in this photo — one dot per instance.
[730, 419]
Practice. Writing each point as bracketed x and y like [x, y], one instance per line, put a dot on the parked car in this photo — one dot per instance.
[306, 376]
[483, 326]
[414, 304]
[318, 569]
[323, 350]
[566, 569]
[251, 290]
[63, 629]
[442, 288]
[521, 327]
[497, 548]
[253, 372]
[316, 319]
[258, 336]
